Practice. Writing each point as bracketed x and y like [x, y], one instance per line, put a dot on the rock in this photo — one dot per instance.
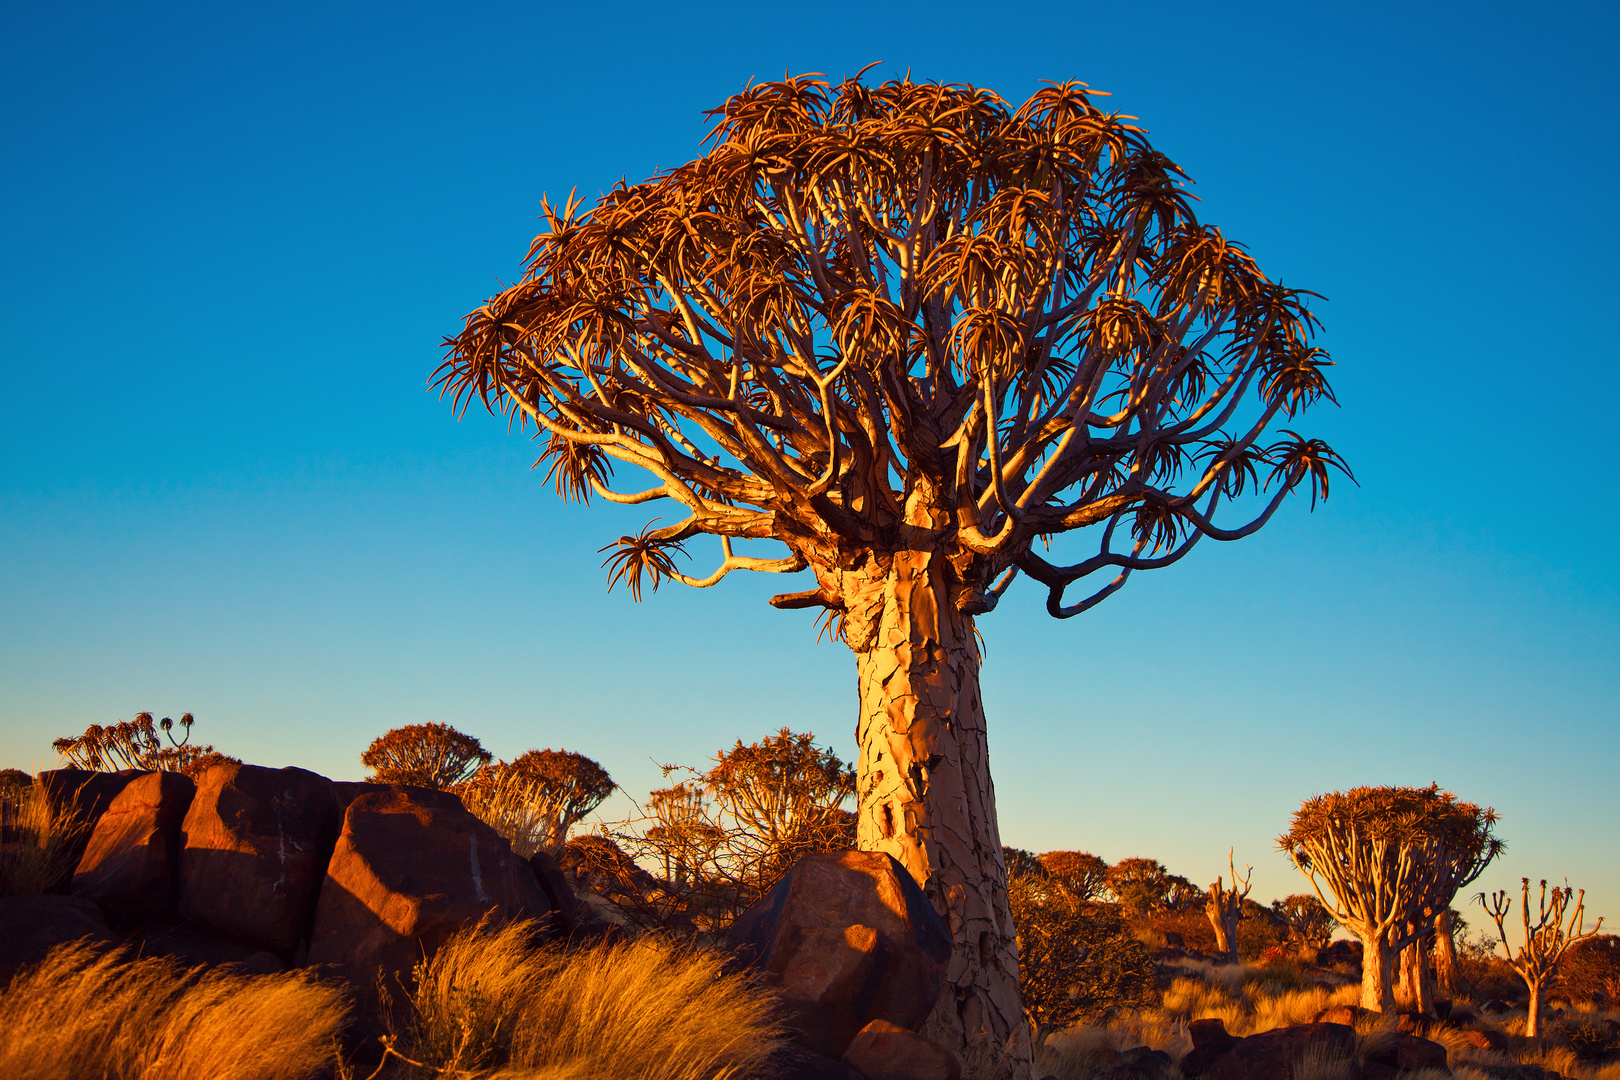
[848, 938]
[1490, 1039]
[1138, 1063]
[1272, 1055]
[34, 925]
[885, 1051]
[411, 867]
[1210, 1041]
[1342, 1014]
[86, 794]
[564, 904]
[794, 1062]
[131, 865]
[257, 843]
[191, 945]
[1413, 1053]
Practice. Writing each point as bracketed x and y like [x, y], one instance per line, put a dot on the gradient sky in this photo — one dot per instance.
[234, 236]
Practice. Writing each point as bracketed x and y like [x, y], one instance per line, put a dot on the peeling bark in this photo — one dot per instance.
[924, 788]
[1377, 974]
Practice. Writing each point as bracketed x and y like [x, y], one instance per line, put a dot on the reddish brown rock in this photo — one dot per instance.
[411, 867]
[1342, 1014]
[192, 946]
[1138, 1063]
[565, 912]
[85, 794]
[848, 938]
[132, 862]
[885, 1051]
[31, 926]
[1273, 1055]
[1411, 1053]
[1210, 1041]
[256, 845]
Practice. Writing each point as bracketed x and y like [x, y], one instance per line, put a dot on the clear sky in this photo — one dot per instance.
[235, 234]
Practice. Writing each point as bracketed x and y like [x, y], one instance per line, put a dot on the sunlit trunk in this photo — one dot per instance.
[1415, 988]
[1532, 1024]
[924, 788]
[1225, 933]
[1377, 973]
[1445, 955]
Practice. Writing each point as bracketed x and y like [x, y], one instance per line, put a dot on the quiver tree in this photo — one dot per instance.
[1224, 909]
[1388, 856]
[1082, 875]
[911, 334]
[1144, 886]
[1310, 924]
[562, 788]
[1558, 925]
[431, 755]
[136, 744]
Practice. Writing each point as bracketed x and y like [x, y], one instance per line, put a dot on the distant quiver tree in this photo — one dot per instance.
[563, 787]
[430, 755]
[913, 334]
[1390, 858]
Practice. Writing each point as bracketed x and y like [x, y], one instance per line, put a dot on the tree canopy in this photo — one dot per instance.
[866, 300]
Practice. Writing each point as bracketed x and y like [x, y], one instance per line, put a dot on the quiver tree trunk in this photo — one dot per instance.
[1378, 971]
[1416, 992]
[1445, 955]
[924, 789]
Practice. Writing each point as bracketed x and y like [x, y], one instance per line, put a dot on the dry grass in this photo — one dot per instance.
[490, 1000]
[84, 1015]
[1080, 1053]
[42, 844]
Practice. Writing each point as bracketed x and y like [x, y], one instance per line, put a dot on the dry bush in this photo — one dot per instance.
[42, 842]
[504, 801]
[725, 836]
[82, 1014]
[492, 1000]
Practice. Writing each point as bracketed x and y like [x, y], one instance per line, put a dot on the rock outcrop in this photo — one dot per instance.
[410, 867]
[257, 842]
[130, 867]
[849, 939]
[885, 1051]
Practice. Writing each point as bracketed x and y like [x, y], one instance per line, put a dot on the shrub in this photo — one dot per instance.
[427, 755]
[1590, 971]
[490, 999]
[1083, 875]
[1075, 960]
[725, 836]
[83, 1014]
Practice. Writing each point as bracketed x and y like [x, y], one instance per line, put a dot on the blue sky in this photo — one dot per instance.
[234, 237]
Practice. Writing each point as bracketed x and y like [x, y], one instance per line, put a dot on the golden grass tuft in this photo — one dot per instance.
[490, 1003]
[505, 802]
[82, 1015]
[43, 843]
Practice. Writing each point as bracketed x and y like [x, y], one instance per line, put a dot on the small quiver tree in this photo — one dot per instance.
[1558, 926]
[431, 755]
[1224, 909]
[1387, 856]
[911, 333]
[561, 786]
[1082, 875]
[136, 744]
[1310, 924]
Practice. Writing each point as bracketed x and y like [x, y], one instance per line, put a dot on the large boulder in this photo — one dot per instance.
[885, 1051]
[192, 946]
[83, 794]
[1410, 1053]
[1210, 1041]
[31, 926]
[848, 938]
[1277, 1054]
[132, 862]
[257, 842]
[411, 867]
